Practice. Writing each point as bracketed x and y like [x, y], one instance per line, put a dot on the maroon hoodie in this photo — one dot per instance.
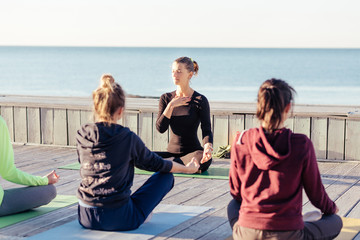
[268, 173]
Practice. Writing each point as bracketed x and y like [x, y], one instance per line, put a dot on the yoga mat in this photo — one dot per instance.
[351, 227]
[211, 173]
[165, 217]
[59, 202]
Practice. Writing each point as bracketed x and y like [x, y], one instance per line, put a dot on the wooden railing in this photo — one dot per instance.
[334, 130]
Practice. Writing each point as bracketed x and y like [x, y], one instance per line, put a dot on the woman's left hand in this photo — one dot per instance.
[208, 148]
[52, 177]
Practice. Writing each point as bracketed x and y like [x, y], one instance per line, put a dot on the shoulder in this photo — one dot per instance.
[200, 99]
[244, 136]
[197, 95]
[87, 128]
[167, 96]
[299, 138]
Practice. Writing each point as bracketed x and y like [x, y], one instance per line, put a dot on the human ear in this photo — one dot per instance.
[287, 109]
[119, 113]
[191, 74]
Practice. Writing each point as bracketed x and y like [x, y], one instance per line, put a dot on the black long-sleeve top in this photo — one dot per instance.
[108, 154]
[184, 123]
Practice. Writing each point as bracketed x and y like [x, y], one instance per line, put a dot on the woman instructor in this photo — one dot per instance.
[184, 110]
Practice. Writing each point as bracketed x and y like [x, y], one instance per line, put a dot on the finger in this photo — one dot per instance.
[203, 160]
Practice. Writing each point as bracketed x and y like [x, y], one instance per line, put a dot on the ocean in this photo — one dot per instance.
[320, 76]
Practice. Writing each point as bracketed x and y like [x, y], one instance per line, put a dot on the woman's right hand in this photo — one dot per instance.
[179, 101]
[192, 166]
[52, 177]
[175, 102]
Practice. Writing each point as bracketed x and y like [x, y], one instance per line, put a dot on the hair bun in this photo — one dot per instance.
[106, 81]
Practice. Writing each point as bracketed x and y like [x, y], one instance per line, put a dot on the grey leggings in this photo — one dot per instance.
[328, 227]
[21, 199]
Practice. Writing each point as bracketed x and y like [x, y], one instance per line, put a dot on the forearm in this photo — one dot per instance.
[162, 121]
[8, 169]
[179, 168]
[313, 185]
[168, 111]
[19, 177]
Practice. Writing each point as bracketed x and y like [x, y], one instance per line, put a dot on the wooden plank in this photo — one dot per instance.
[7, 112]
[47, 125]
[33, 125]
[355, 211]
[336, 139]
[146, 129]
[319, 136]
[20, 125]
[206, 225]
[60, 127]
[236, 124]
[352, 149]
[302, 125]
[221, 131]
[251, 121]
[151, 105]
[73, 119]
[349, 199]
[221, 232]
[160, 140]
[86, 116]
[130, 120]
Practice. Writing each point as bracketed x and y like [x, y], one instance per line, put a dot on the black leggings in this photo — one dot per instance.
[203, 166]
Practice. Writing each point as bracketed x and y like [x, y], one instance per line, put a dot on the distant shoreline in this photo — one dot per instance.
[166, 47]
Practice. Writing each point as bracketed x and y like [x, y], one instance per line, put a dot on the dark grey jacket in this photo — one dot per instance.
[108, 154]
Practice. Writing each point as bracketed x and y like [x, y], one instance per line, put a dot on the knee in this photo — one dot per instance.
[338, 223]
[233, 211]
[170, 179]
[333, 223]
[205, 166]
[166, 178]
[50, 192]
[233, 206]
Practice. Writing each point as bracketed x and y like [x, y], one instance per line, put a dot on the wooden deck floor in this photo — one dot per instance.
[342, 182]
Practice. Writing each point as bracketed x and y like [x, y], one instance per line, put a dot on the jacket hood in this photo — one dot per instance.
[98, 134]
[268, 149]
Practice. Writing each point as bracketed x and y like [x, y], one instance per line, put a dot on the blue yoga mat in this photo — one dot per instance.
[165, 217]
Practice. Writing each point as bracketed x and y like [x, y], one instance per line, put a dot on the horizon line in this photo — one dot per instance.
[230, 47]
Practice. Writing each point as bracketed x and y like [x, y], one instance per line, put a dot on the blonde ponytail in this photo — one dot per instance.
[107, 98]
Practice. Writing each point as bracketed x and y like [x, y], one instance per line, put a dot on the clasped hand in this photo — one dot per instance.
[208, 149]
[52, 177]
[180, 101]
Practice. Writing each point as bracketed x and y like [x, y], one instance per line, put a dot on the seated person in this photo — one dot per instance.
[270, 167]
[16, 200]
[108, 153]
[183, 110]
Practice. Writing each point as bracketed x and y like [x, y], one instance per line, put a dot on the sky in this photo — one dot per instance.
[168, 23]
